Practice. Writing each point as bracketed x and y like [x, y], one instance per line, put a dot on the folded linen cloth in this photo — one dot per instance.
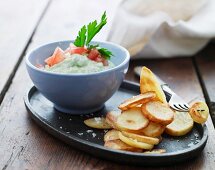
[163, 28]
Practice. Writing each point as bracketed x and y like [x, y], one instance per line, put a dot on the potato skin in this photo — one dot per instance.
[137, 100]
[148, 82]
[173, 132]
[97, 123]
[135, 143]
[111, 135]
[111, 118]
[199, 112]
[119, 145]
[132, 119]
[154, 116]
[182, 124]
[153, 130]
[141, 138]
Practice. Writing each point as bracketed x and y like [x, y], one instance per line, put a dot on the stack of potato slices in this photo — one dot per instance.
[141, 120]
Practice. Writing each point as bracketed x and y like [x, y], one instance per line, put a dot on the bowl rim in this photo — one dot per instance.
[28, 63]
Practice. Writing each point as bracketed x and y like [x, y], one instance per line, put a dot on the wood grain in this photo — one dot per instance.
[179, 73]
[64, 25]
[17, 27]
[24, 145]
[205, 62]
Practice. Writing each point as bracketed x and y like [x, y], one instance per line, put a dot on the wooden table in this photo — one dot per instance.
[26, 24]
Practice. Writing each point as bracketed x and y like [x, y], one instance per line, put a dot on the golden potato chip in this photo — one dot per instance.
[158, 112]
[153, 130]
[135, 143]
[111, 118]
[199, 112]
[111, 135]
[136, 100]
[181, 125]
[132, 119]
[98, 123]
[141, 138]
[149, 82]
[119, 145]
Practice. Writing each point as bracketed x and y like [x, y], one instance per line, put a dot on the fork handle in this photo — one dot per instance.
[165, 87]
[161, 81]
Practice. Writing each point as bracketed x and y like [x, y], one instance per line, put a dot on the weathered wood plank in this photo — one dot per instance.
[25, 145]
[179, 73]
[18, 21]
[205, 62]
[15, 125]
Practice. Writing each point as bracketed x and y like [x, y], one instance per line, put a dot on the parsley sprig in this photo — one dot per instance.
[81, 38]
[86, 34]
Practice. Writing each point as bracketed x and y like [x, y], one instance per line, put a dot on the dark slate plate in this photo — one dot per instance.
[72, 130]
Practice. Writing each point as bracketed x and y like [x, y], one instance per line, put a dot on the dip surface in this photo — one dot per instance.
[77, 63]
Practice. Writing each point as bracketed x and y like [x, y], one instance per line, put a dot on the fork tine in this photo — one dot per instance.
[175, 101]
[186, 106]
[179, 108]
[176, 107]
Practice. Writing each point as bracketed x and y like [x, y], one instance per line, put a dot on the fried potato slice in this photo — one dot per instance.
[137, 100]
[156, 151]
[132, 119]
[135, 143]
[149, 82]
[119, 145]
[141, 138]
[97, 122]
[153, 130]
[158, 112]
[111, 118]
[199, 112]
[111, 135]
[182, 124]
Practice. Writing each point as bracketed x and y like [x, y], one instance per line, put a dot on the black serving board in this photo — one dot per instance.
[72, 130]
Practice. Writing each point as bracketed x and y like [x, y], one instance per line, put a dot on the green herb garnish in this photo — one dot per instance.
[106, 53]
[93, 28]
[81, 38]
[93, 46]
[86, 34]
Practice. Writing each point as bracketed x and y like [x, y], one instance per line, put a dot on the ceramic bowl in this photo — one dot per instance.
[77, 93]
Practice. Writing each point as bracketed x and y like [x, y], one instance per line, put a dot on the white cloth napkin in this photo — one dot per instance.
[163, 28]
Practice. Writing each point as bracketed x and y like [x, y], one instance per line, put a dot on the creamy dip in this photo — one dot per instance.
[77, 63]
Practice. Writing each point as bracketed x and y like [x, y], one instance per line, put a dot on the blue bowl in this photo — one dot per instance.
[77, 93]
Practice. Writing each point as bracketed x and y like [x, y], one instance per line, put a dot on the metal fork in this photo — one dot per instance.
[175, 101]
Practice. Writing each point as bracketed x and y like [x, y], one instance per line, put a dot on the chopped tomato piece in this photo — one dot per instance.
[75, 50]
[78, 50]
[101, 59]
[56, 57]
[67, 50]
[94, 54]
